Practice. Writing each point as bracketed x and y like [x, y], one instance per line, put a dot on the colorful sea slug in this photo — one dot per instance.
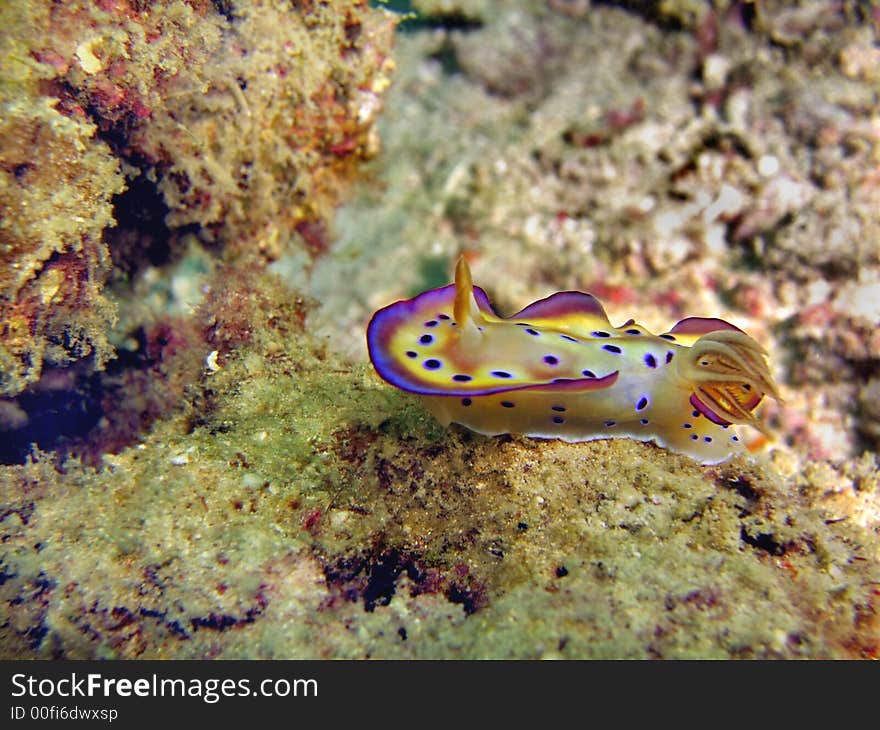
[558, 369]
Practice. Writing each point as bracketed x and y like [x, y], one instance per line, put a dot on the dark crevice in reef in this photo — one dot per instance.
[446, 56]
[763, 541]
[54, 414]
[72, 411]
[141, 236]
[226, 8]
[744, 488]
[373, 577]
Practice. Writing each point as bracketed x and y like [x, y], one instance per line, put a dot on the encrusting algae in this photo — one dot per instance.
[241, 121]
[305, 509]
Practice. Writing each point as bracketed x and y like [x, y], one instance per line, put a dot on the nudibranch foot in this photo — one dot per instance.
[559, 369]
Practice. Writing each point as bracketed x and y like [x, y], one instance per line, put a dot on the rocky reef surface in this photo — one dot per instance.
[237, 481]
[238, 122]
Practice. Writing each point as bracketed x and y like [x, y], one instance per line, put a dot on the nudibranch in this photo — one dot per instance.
[558, 369]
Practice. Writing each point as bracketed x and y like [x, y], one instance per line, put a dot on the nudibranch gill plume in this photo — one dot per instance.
[558, 369]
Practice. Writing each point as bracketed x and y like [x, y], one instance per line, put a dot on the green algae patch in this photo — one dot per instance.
[312, 511]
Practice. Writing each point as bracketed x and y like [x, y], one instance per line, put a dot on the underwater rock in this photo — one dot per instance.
[312, 512]
[245, 127]
[56, 183]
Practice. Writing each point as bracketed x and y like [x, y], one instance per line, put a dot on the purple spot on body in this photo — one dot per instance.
[566, 337]
[507, 404]
[599, 333]
[669, 357]
[588, 373]
[531, 331]
[694, 437]
[501, 374]
[687, 425]
[466, 401]
[633, 332]
[644, 421]
[559, 409]
[426, 339]
[432, 364]
[442, 316]
[612, 348]
[431, 323]
[609, 424]
[551, 359]
[650, 360]
[642, 404]
[734, 438]
[462, 378]
[410, 353]
[707, 439]
[558, 419]
[671, 338]
[695, 414]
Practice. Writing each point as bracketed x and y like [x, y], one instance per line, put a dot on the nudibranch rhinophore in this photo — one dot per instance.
[558, 369]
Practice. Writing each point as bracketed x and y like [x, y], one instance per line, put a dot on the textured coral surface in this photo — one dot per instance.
[311, 512]
[248, 487]
[56, 182]
[240, 121]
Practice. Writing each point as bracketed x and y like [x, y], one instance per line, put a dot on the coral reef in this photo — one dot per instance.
[248, 120]
[243, 124]
[57, 180]
[303, 509]
[251, 488]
